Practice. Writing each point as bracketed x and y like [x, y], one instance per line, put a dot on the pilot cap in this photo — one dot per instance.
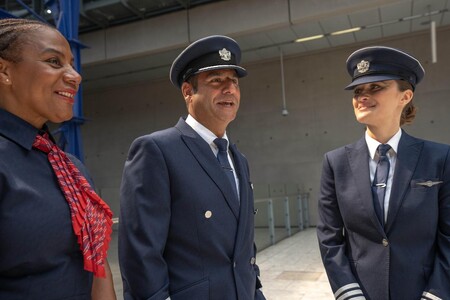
[379, 63]
[210, 53]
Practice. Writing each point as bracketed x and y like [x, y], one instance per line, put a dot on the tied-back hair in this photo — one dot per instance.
[409, 111]
[12, 34]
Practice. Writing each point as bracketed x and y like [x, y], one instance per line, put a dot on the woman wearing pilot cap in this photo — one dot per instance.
[384, 202]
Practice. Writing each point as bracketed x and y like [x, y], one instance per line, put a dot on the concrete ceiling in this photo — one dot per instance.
[101, 14]
[378, 22]
[389, 19]
[98, 14]
[383, 20]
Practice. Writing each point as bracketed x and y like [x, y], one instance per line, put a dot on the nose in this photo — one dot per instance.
[357, 98]
[230, 86]
[72, 76]
[363, 96]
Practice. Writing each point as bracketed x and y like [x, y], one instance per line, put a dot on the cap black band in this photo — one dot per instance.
[208, 60]
[411, 78]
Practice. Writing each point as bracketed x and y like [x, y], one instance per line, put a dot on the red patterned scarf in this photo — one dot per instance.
[91, 216]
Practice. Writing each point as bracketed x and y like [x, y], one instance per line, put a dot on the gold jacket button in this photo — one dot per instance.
[385, 242]
[208, 214]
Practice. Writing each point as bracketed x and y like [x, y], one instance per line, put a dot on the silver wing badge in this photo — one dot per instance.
[429, 183]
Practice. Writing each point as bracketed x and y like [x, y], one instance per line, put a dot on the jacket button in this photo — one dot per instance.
[252, 261]
[234, 264]
[385, 242]
[208, 214]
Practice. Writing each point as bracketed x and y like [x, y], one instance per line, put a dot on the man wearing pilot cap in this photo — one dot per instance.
[384, 201]
[187, 213]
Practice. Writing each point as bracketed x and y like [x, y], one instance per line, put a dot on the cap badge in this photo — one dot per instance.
[363, 66]
[225, 54]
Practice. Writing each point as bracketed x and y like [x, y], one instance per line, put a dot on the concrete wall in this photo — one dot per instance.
[280, 149]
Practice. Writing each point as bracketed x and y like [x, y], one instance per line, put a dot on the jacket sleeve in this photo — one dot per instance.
[331, 236]
[144, 222]
[438, 286]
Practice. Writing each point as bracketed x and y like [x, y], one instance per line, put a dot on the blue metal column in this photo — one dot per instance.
[66, 15]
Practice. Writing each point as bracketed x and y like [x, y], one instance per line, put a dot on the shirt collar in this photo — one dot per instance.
[372, 144]
[202, 131]
[17, 130]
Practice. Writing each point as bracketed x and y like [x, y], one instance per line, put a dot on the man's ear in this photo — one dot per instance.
[4, 72]
[187, 91]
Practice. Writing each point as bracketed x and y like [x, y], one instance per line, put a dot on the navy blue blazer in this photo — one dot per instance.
[182, 232]
[410, 257]
[39, 254]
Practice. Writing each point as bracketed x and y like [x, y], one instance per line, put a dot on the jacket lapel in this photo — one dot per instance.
[408, 153]
[205, 157]
[358, 157]
[241, 171]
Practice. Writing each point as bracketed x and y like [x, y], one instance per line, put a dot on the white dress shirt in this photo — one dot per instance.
[209, 137]
[372, 144]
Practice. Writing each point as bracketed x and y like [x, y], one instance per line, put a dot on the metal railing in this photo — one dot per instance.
[283, 212]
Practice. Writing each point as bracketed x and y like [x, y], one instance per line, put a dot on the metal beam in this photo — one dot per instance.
[184, 3]
[101, 24]
[132, 9]
[99, 4]
[66, 14]
[31, 11]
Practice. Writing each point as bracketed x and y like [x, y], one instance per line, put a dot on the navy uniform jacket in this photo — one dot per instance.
[39, 254]
[182, 232]
[410, 257]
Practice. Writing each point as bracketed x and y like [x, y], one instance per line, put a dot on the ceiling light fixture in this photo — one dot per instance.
[346, 31]
[310, 38]
[354, 29]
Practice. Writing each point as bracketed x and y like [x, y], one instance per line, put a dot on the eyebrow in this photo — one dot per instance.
[374, 83]
[59, 53]
[221, 73]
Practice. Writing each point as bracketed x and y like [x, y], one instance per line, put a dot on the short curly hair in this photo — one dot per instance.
[12, 34]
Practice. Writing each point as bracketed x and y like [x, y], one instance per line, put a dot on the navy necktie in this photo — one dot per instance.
[380, 180]
[222, 157]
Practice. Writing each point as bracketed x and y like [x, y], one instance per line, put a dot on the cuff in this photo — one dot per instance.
[350, 291]
[429, 296]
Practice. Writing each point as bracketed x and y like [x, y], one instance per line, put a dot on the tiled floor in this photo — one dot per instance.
[290, 269]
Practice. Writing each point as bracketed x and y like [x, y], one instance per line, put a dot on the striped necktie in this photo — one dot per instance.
[222, 157]
[380, 180]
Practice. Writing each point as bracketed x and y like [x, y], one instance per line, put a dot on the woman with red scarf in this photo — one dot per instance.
[54, 229]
